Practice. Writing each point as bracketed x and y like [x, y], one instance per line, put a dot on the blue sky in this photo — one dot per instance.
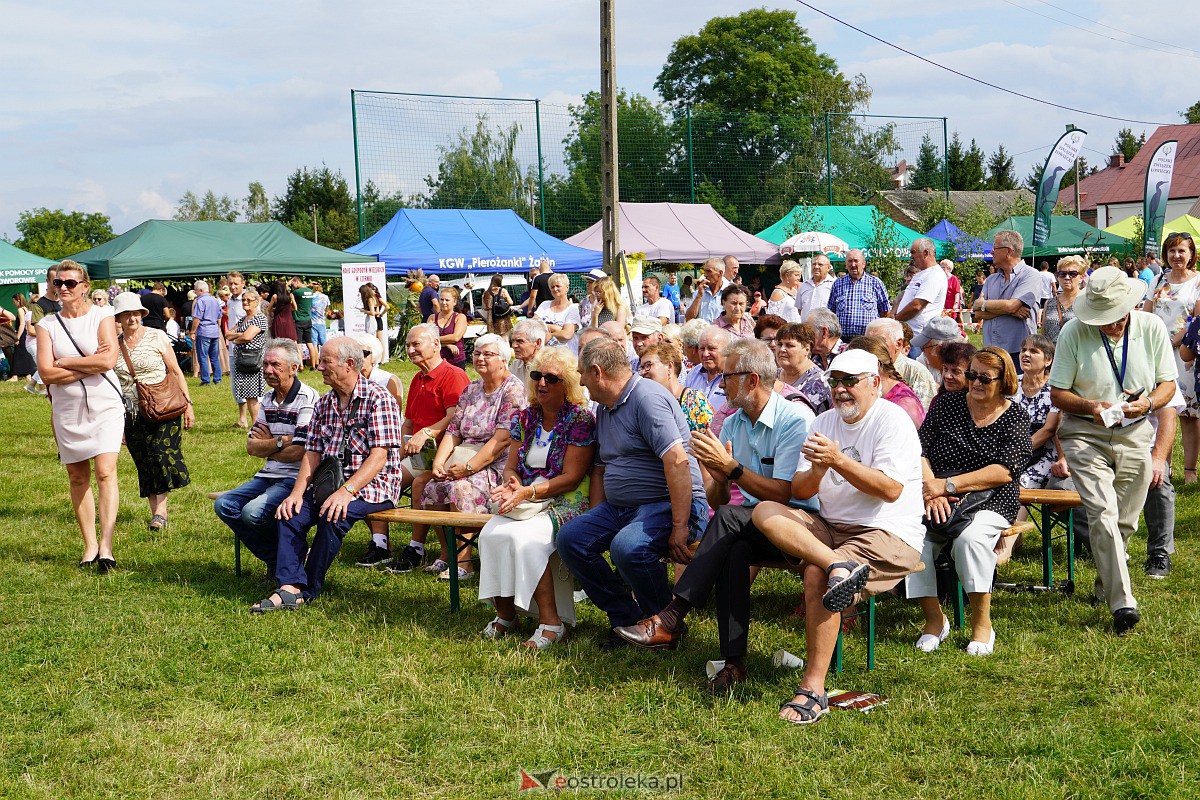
[121, 107]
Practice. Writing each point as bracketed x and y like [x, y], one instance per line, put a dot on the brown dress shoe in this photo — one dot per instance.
[650, 634]
[725, 680]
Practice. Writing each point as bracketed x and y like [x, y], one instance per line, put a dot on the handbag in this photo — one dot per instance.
[247, 360]
[462, 454]
[157, 402]
[500, 306]
[529, 508]
[962, 513]
[8, 335]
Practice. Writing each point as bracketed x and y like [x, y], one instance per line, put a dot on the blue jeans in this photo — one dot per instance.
[249, 511]
[206, 352]
[320, 333]
[636, 539]
[300, 565]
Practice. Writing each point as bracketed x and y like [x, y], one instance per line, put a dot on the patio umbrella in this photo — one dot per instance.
[814, 242]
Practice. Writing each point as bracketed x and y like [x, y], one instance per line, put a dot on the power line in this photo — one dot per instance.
[1100, 35]
[974, 79]
[1111, 28]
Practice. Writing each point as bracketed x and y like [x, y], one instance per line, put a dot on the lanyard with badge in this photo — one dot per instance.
[1112, 362]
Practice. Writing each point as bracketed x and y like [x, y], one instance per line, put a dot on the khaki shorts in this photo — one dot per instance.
[890, 558]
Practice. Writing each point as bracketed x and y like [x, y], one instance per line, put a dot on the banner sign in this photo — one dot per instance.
[354, 277]
[490, 263]
[1158, 191]
[1061, 159]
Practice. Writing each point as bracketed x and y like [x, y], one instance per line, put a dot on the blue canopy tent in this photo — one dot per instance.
[965, 245]
[452, 240]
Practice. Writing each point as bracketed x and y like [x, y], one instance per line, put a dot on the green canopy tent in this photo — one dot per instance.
[18, 270]
[855, 225]
[1068, 236]
[158, 250]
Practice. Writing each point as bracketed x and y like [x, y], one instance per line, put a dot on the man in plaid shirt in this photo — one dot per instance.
[857, 298]
[367, 416]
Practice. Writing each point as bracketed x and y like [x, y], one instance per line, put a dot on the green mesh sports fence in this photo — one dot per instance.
[543, 161]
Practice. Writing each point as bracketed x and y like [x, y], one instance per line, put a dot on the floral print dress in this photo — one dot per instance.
[479, 415]
[575, 426]
[1038, 407]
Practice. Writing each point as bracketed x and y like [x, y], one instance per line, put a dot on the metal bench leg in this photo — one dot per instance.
[1046, 525]
[452, 546]
[1070, 587]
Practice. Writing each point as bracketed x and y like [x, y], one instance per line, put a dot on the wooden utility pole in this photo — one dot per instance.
[609, 193]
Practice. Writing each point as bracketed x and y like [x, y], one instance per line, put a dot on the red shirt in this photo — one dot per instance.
[431, 395]
[953, 287]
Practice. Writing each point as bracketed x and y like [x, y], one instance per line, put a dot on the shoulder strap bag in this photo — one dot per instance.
[157, 402]
[104, 375]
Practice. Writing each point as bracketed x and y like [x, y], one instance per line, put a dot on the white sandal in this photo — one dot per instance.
[539, 641]
[499, 628]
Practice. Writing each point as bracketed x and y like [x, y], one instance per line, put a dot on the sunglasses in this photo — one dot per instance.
[69, 283]
[986, 380]
[550, 380]
[1068, 274]
[849, 381]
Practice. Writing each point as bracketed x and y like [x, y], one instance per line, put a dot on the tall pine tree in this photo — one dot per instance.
[929, 167]
[1000, 171]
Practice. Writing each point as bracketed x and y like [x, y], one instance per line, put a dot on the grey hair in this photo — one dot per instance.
[946, 263]
[715, 263]
[343, 348]
[1012, 239]
[890, 328]
[200, 286]
[285, 346]
[925, 245]
[606, 354]
[691, 332]
[428, 331]
[533, 328]
[501, 346]
[752, 355]
[824, 318]
[671, 331]
[251, 294]
[558, 278]
[712, 331]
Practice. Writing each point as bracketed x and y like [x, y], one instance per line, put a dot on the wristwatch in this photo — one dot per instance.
[950, 487]
[736, 472]
[278, 443]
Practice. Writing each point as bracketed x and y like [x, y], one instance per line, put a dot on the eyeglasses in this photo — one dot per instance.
[727, 375]
[550, 380]
[645, 367]
[986, 380]
[69, 283]
[483, 355]
[1068, 274]
[97, 299]
[849, 381]
[366, 353]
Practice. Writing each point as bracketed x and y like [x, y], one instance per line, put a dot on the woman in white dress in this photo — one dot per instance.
[560, 314]
[783, 300]
[554, 442]
[1175, 299]
[77, 350]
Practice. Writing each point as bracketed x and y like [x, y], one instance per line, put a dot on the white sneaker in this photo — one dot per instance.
[982, 648]
[927, 642]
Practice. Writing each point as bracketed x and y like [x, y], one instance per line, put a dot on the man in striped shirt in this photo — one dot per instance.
[278, 435]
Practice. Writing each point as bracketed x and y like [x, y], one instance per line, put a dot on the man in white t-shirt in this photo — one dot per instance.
[925, 296]
[655, 304]
[814, 292]
[863, 462]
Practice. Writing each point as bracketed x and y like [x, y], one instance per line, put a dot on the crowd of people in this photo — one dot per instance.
[849, 436]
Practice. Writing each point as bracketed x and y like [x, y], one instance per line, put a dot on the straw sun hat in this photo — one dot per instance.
[1109, 296]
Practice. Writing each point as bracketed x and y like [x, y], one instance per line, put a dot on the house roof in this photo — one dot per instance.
[1092, 187]
[1130, 184]
[911, 202]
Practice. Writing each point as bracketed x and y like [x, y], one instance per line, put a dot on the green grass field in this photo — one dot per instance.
[155, 681]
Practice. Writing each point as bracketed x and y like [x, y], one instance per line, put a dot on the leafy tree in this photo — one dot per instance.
[755, 89]
[648, 157]
[929, 167]
[887, 256]
[210, 208]
[257, 207]
[1192, 115]
[481, 170]
[978, 219]
[1084, 170]
[58, 234]
[377, 210]
[325, 189]
[1127, 144]
[937, 209]
[1001, 177]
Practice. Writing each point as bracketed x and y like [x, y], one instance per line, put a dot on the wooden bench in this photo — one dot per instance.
[1055, 509]
[451, 522]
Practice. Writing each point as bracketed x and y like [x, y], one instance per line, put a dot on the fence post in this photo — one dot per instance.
[537, 113]
[828, 163]
[357, 172]
[946, 157]
[691, 160]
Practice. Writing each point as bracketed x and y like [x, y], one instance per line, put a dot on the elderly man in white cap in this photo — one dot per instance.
[645, 333]
[1112, 368]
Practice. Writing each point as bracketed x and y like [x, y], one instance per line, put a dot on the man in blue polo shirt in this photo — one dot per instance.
[758, 449]
[647, 484]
